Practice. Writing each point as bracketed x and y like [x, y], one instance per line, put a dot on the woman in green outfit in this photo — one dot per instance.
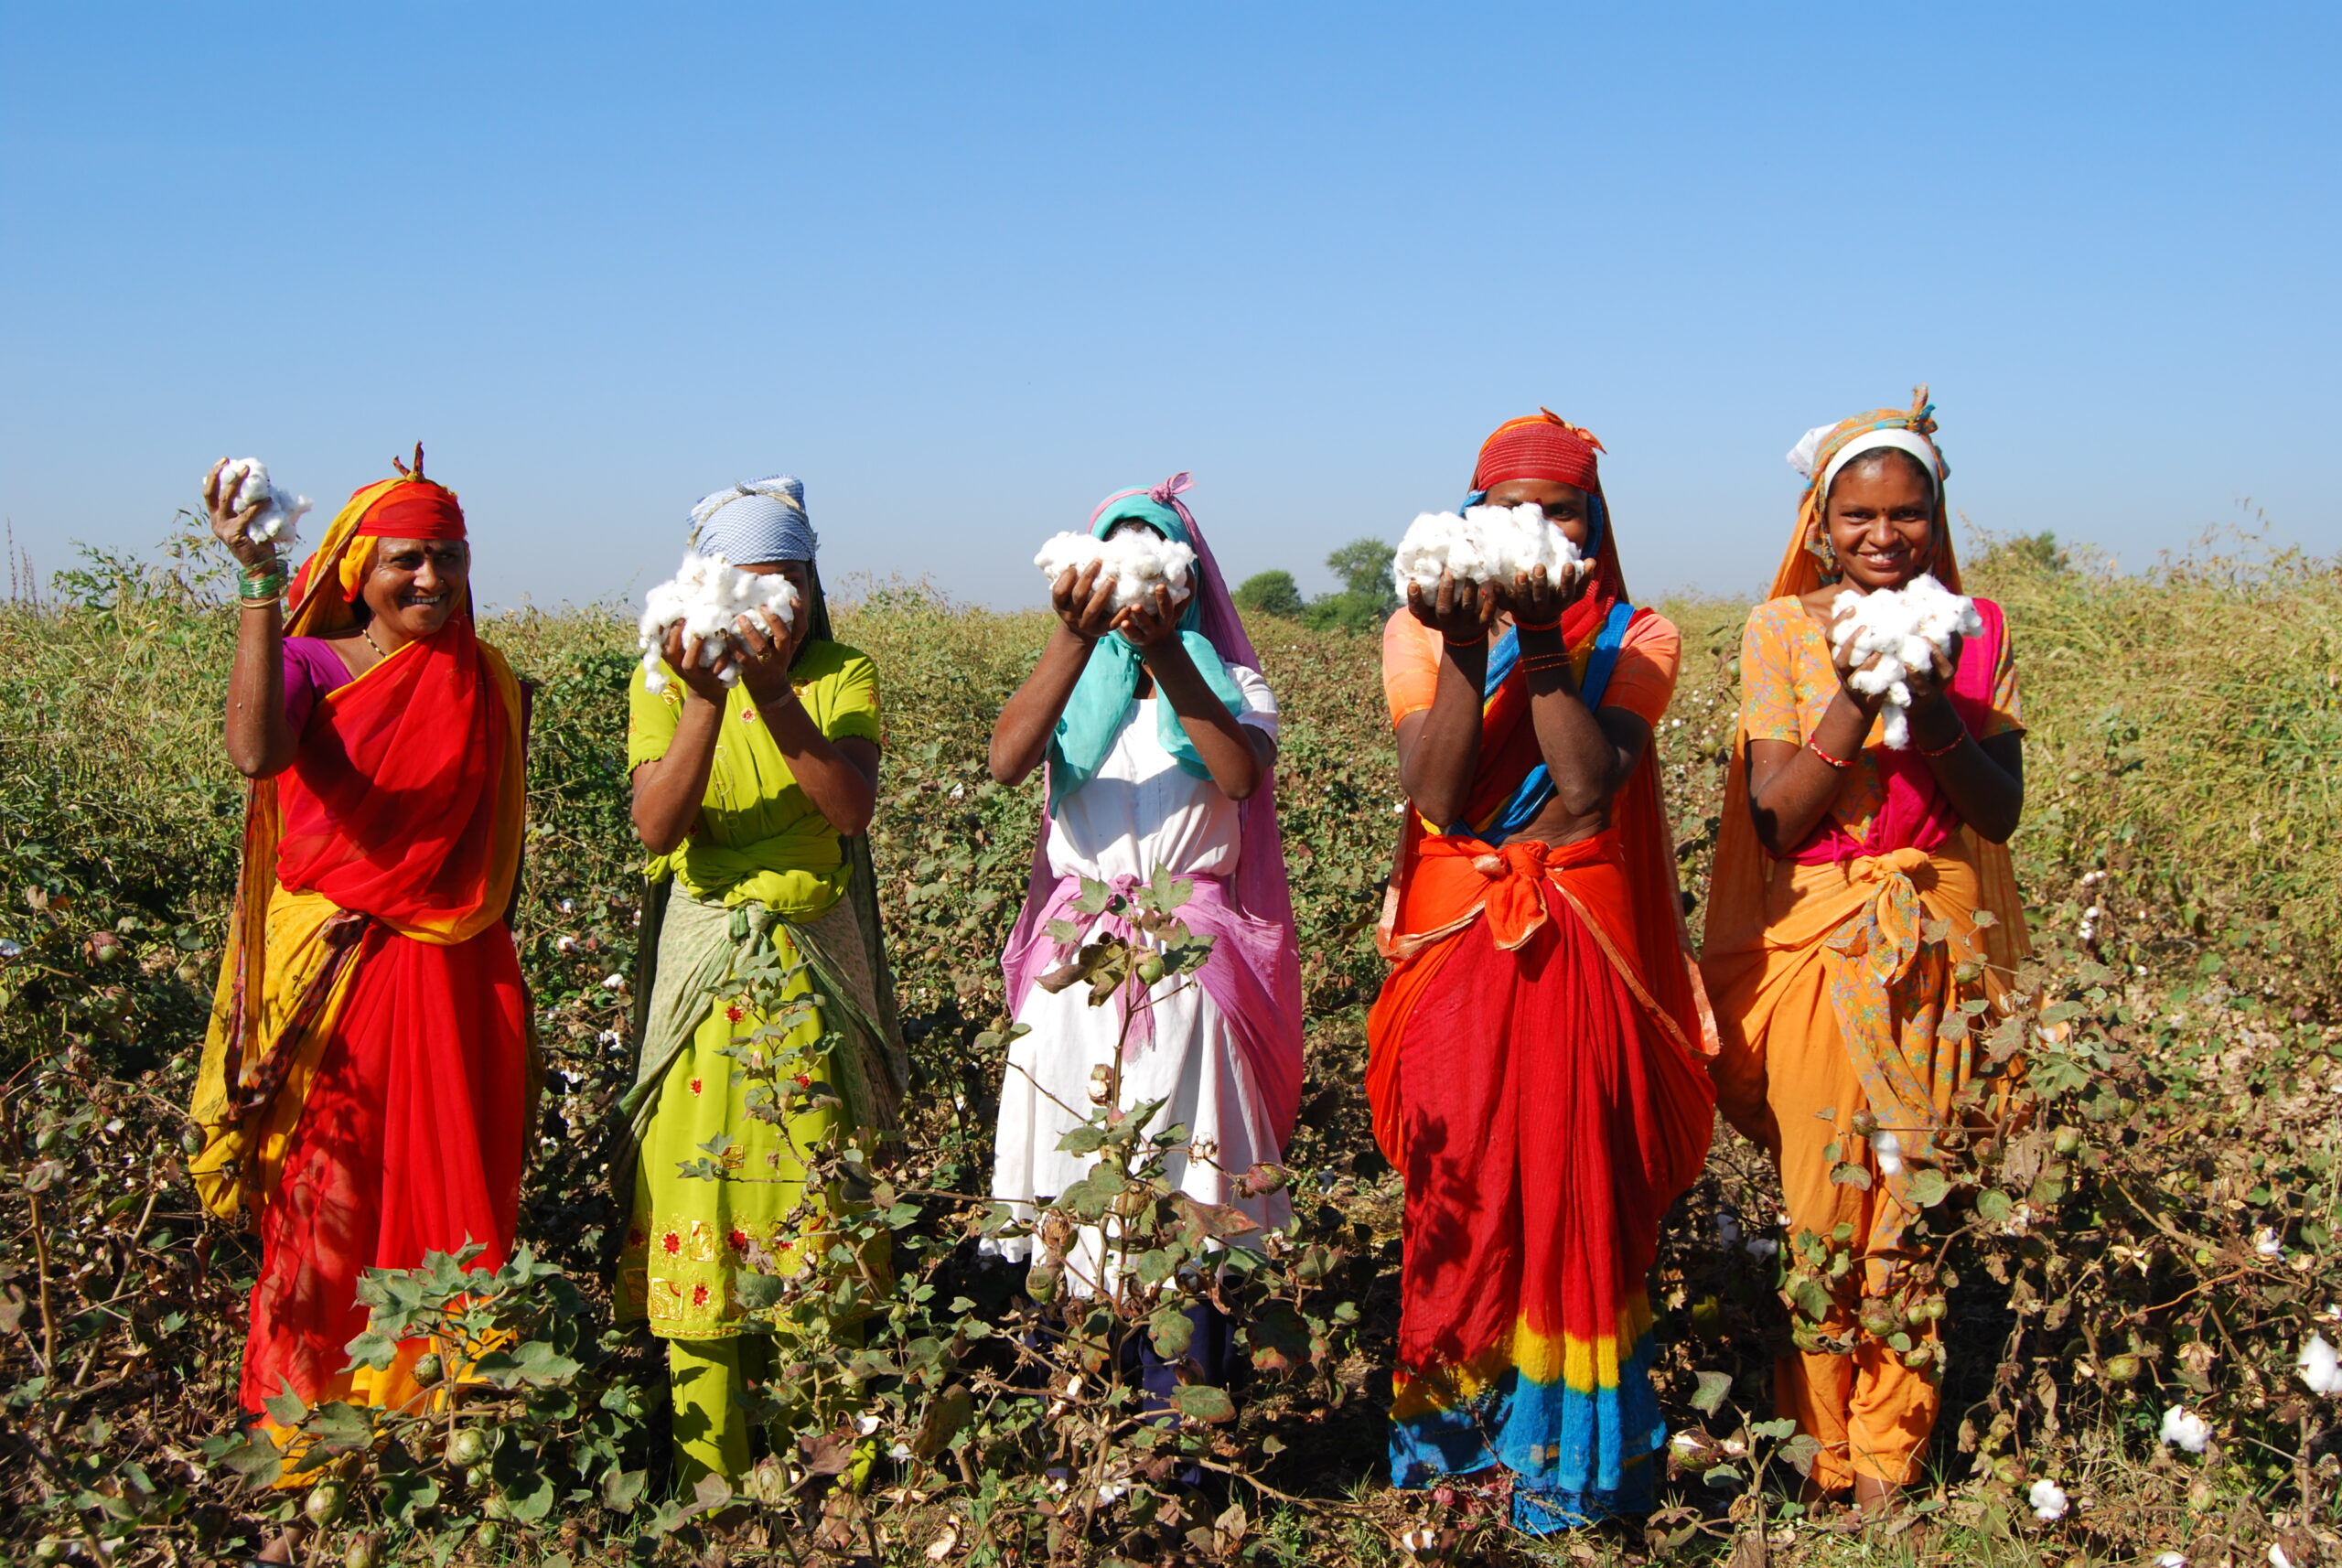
[753, 797]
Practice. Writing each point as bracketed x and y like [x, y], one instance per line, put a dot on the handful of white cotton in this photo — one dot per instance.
[1906, 628]
[1138, 560]
[245, 482]
[707, 595]
[1486, 545]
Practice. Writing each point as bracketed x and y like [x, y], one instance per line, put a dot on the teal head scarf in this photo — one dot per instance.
[1109, 682]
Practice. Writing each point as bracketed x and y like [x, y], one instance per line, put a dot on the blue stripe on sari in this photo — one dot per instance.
[1537, 788]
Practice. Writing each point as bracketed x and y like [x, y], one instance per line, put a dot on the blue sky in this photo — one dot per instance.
[966, 269]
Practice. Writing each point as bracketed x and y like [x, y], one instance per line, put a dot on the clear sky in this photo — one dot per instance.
[964, 269]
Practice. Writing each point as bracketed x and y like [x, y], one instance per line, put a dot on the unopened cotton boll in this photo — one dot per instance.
[245, 482]
[1138, 560]
[2183, 1428]
[2321, 1369]
[706, 597]
[1483, 544]
[2049, 1501]
[1895, 633]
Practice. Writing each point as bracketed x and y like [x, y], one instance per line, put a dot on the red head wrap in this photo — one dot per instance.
[412, 509]
[1540, 446]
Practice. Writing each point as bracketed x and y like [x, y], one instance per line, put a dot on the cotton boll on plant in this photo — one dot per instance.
[245, 482]
[1896, 633]
[1484, 545]
[2183, 1428]
[706, 597]
[2320, 1368]
[1136, 559]
[2049, 1501]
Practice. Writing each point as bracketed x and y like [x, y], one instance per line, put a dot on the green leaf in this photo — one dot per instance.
[1715, 1388]
[1171, 1330]
[406, 1493]
[1812, 1298]
[1202, 1401]
[1279, 1338]
[343, 1428]
[1928, 1187]
[1777, 1431]
[756, 1292]
[287, 1409]
[1993, 1206]
[622, 1489]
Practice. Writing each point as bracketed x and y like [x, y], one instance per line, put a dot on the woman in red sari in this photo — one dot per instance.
[365, 1083]
[1536, 1069]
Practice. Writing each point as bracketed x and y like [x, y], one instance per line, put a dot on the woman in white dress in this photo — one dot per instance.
[1160, 737]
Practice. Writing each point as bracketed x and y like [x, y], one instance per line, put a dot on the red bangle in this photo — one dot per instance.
[1840, 763]
[1545, 662]
[1950, 745]
[1554, 625]
[1479, 641]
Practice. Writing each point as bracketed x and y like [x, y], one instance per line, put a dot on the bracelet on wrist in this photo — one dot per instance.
[1839, 764]
[1479, 641]
[1957, 736]
[1554, 625]
[1545, 662]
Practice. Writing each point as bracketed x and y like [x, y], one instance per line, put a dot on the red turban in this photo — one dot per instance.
[412, 509]
[1540, 446]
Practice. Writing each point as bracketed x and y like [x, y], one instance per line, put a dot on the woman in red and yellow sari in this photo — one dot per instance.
[1536, 1071]
[365, 1083]
[1846, 923]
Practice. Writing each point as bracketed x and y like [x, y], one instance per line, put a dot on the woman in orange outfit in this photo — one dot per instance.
[1847, 915]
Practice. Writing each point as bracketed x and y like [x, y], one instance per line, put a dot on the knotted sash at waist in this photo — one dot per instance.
[1455, 882]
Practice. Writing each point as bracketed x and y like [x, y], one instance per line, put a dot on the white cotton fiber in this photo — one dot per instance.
[1486, 545]
[2321, 1369]
[1906, 628]
[245, 482]
[2183, 1428]
[707, 595]
[1139, 559]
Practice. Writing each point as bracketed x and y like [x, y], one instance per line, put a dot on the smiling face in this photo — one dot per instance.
[1566, 506]
[1882, 520]
[416, 586]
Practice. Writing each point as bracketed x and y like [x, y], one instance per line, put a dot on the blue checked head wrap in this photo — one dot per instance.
[748, 524]
[753, 525]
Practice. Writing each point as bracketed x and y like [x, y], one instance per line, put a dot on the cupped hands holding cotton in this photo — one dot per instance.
[1484, 545]
[1136, 559]
[245, 482]
[706, 597]
[1891, 634]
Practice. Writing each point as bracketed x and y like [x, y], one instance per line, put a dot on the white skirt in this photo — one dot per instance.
[1192, 1063]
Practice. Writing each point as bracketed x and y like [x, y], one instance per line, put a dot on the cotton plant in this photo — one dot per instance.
[706, 597]
[1483, 544]
[1896, 633]
[2049, 1500]
[1138, 560]
[245, 482]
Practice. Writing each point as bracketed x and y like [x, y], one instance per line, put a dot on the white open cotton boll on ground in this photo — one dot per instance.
[245, 482]
[1138, 560]
[706, 596]
[1484, 544]
[1898, 631]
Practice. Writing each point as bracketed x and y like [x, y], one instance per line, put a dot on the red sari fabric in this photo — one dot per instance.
[1549, 1110]
[403, 805]
[410, 1142]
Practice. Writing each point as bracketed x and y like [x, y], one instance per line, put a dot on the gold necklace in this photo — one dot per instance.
[367, 631]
